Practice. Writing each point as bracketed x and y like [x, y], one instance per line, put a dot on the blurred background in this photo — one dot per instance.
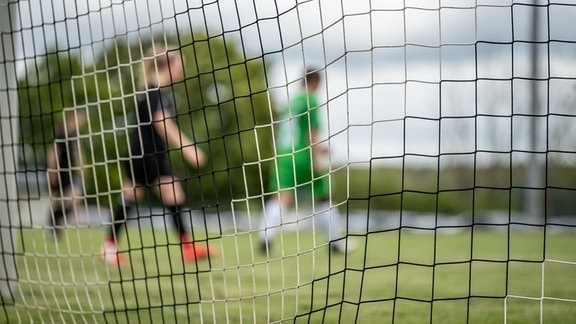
[434, 108]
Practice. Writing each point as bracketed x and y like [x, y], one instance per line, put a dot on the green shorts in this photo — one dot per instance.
[294, 171]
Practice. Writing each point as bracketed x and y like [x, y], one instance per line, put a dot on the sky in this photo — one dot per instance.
[405, 81]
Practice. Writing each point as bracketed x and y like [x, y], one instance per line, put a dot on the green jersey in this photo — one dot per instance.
[297, 122]
[293, 167]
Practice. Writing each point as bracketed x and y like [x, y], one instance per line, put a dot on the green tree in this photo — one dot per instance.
[45, 89]
[226, 108]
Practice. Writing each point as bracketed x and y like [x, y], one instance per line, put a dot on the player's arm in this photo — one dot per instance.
[168, 128]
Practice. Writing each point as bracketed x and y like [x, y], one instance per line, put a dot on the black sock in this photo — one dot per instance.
[178, 220]
[119, 217]
[54, 220]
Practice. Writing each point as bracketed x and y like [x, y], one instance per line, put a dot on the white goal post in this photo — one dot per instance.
[9, 208]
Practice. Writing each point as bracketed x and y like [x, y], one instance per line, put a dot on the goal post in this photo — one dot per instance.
[9, 201]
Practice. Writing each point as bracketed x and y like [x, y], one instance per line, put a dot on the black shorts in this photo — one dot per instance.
[146, 170]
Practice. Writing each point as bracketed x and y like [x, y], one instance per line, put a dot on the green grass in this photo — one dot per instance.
[397, 276]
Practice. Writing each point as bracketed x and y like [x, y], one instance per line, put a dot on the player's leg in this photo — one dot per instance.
[328, 222]
[130, 195]
[60, 191]
[282, 185]
[326, 217]
[133, 189]
[173, 197]
[65, 206]
[76, 197]
[126, 201]
[271, 222]
[55, 214]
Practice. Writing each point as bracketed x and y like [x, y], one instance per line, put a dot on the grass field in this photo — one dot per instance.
[400, 276]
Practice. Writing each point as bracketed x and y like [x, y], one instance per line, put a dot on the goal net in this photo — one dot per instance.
[366, 161]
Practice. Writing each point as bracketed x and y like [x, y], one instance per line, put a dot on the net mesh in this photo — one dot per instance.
[448, 126]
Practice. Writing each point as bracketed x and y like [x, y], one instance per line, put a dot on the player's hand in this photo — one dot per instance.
[194, 156]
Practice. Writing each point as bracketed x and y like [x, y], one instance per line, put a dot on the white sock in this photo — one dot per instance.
[327, 220]
[271, 220]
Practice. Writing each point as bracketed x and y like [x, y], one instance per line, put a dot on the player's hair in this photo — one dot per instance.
[311, 75]
[156, 62]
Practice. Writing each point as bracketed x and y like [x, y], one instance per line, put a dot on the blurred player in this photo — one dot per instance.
[300, 167]
[149, 167]
[63, 156]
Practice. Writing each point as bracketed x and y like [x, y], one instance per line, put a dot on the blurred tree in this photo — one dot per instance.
[225, 105]
[44, 90]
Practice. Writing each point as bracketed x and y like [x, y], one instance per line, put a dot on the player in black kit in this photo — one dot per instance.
[63, 158]
[148, 166]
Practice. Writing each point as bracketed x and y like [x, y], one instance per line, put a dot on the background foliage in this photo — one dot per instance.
[454, 189]
[223, 104]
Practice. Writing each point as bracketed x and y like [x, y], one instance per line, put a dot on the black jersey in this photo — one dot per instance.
[148, 149]
[146, 140]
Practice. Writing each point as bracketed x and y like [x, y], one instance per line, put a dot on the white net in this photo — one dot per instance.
[437, 186]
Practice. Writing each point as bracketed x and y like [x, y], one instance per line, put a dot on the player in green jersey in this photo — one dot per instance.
[298, 168]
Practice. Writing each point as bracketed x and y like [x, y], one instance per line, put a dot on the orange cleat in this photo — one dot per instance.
[192, 252]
